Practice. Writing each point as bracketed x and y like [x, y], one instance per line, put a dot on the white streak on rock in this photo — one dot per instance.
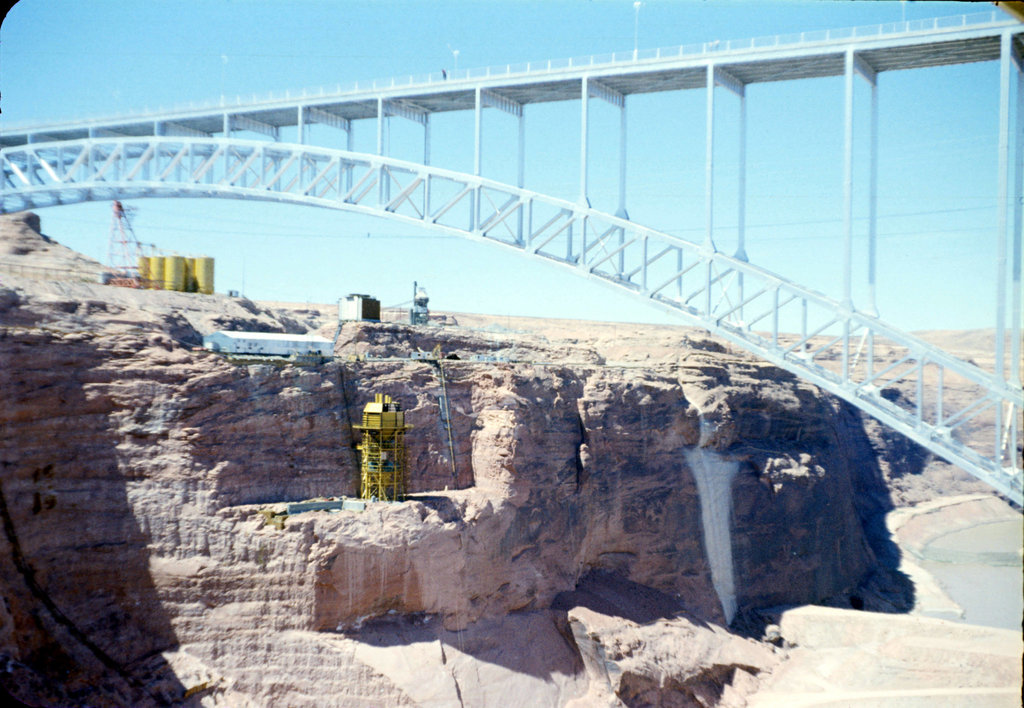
[714, 474]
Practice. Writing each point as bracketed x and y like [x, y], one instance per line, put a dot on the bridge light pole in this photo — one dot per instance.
[455, 57]
[636, 28]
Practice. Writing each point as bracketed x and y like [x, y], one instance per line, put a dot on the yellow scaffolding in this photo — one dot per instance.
[382, 450]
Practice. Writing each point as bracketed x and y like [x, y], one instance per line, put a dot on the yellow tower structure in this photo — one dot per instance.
[382, 450]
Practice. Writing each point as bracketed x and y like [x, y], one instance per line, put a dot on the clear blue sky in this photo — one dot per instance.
[62, 59]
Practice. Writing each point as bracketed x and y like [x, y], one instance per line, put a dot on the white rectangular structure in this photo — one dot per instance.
[267, 343]
[358, 307]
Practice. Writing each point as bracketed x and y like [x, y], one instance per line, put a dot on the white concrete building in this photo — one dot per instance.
[267, 343]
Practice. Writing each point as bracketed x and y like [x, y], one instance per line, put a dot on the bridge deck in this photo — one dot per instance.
[901, 46]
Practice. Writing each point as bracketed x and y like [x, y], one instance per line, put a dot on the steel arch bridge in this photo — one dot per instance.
[198, 153]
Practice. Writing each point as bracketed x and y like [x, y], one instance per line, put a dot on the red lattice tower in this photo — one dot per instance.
[124, 249]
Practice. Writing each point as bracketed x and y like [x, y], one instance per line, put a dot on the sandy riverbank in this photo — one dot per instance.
[964, 556]
[961, 644]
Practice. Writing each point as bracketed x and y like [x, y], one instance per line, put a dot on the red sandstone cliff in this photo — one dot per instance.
[137, 570]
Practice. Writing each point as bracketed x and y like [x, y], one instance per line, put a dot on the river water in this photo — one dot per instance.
[980, 570]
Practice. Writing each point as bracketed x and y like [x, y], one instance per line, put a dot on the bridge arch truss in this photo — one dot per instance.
[921, 391]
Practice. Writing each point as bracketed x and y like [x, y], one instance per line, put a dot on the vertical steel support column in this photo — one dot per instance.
[919, 403]
[521, 171]
[871, 76]
[584, 139]
[380, 149]
[679, 269]
[380, 125]
[300, 126]
[741, 219]
[426, 139]
[741, 197]
[872, 306]
[1016, 293]
[521, 154]
[709, 201]
[775, 318]
[803, 326]
[477, 132]
[227, 125]
[644, 267]
[349, 143]
[621, 212]
[1001, 235]
[847, 300]
[477, 155]
[1016, 316]
[426, 161]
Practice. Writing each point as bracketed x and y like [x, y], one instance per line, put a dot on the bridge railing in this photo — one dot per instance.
[547, 66]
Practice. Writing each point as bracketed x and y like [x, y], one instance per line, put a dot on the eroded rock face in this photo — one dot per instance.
[137, 570]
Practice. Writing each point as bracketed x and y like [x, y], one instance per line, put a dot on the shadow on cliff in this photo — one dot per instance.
[82, 623]
[443, 505]
[613, 595]
[886, 588]
[538, 643]
[535, 643]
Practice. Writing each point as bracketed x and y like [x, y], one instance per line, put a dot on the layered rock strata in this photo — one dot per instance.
[138, 570]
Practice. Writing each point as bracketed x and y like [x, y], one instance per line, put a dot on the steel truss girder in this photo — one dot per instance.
[319, 115]
[502, 103]
[599, 90]
[726, 80]
[572, 235]
[243, 122]
[406, 109]
[171, 129]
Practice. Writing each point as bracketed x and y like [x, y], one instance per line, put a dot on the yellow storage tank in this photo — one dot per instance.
[144, 271]
[190, 275]
[156, 272]
[174, 273]
[204, 275]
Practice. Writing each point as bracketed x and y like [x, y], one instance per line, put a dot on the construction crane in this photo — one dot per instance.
[124, 250]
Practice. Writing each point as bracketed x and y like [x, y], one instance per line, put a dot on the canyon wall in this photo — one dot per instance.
[137, 569]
